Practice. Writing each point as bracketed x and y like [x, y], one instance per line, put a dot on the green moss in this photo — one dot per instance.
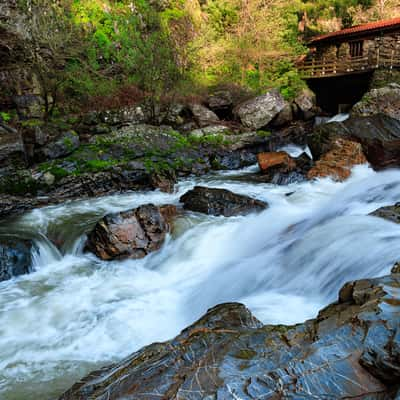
[264, 134]
[245, 354]
[32, 123]
[99, 165]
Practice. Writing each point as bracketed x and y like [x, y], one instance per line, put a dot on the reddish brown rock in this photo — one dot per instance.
[280, 159]
[131, 234]
[338, 161]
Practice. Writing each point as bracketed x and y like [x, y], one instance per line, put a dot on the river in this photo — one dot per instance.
[75, 313]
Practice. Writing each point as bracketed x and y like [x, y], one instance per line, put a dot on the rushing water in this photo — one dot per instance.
[76, 313]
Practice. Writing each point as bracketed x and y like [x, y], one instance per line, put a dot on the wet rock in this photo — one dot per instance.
[351, 350]
[226, 159]
[391, 213]
[213, 201]
[130, 234]
[203, 115]
[14, 205]
[396, 268]
[256, 113]
[15, 257]
[385, 100]
[380, 137]
[280, 168]
[338, 161]
[378, 134]
[163, 181]
[64, 145]
[275, 160]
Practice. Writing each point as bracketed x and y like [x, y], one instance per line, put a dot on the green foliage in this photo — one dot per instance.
[5, 116]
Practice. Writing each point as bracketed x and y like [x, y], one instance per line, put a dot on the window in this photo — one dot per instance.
[356, 48]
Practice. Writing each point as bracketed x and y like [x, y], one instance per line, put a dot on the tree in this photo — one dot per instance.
[53, 41]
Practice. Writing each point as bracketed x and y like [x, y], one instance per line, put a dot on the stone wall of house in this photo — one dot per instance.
[387, 45]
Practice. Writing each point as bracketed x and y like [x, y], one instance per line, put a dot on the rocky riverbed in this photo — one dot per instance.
[120, 234]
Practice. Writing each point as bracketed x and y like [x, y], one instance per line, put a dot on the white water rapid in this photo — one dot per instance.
[76, 313]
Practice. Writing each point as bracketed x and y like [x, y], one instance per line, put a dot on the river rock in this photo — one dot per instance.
[203, 115]
[396, 268]
[385, 100]
[256, 113]
[213, 201]
[280, 168]
[15, 257]
[129, 234]
[277, 159]
[391, 213]
[338, 161]
[351, 350]
[378, 134]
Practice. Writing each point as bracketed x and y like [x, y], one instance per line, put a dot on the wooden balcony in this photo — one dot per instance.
[324, 68]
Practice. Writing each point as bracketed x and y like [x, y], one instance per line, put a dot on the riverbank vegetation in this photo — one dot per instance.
[102, 54]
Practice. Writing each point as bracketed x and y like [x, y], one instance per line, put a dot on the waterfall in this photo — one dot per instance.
[76, 312]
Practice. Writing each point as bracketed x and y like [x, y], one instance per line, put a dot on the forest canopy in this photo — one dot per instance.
[92, 49]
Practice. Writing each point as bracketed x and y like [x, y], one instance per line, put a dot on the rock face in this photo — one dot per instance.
[385, 100]
[256, 113]
[391, 213]
[129, 234]
[15, 257]
[338, 161]
[378, 134]
[351, 350]
[213, 201]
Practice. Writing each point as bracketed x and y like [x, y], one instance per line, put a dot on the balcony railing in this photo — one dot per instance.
[326, 67]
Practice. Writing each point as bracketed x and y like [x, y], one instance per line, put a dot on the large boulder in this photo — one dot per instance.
[385, 100]
[203, 115]
[15, 257]
[351, 350]
[338, 161]
[213, 201]
[256, 113]
[378, 134]
[306, 102]
[129, 234]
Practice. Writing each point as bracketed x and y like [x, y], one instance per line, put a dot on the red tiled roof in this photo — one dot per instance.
[371, 26]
